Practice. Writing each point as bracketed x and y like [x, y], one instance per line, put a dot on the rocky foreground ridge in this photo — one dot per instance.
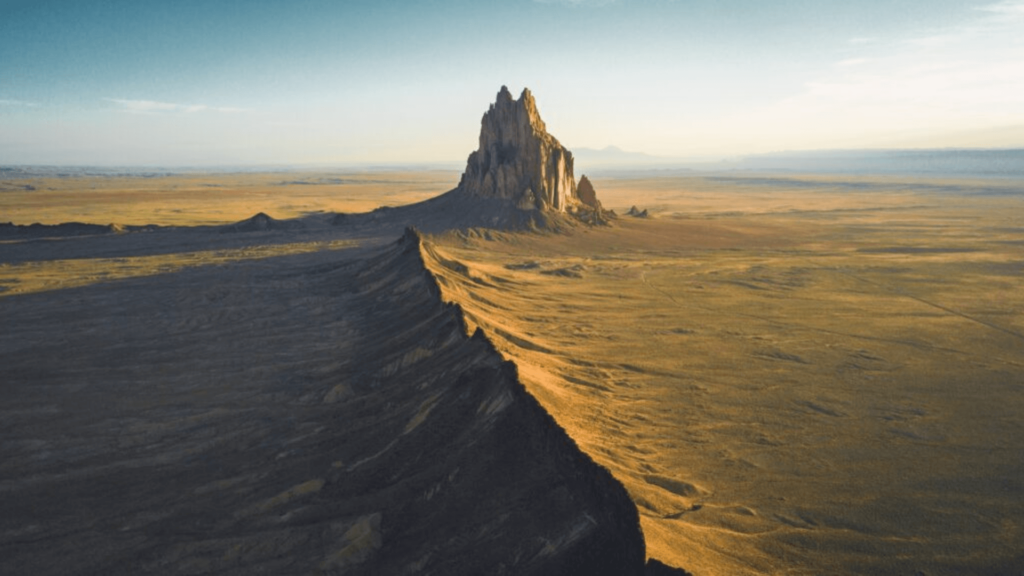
[305, 417]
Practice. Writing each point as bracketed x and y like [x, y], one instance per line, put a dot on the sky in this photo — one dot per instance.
[233, 82]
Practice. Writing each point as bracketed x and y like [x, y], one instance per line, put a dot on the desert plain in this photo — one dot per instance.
[789, 373]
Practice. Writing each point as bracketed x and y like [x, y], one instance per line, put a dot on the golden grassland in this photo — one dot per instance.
[205, 199]
[37, 276]
[790, 374]
[796, 381]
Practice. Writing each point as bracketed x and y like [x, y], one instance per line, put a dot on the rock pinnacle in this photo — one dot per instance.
[518, 160]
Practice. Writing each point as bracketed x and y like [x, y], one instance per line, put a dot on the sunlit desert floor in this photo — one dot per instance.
[197, 198]
[794, 376]
[790, 374]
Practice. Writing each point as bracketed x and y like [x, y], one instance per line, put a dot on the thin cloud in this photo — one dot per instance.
[1009, 8]
[863, 40]
[143, 106]
[577, 2]
[852, 62]
[18, 103]
[936, 40]
[962, 78]
[1003, 19]
[155, 107]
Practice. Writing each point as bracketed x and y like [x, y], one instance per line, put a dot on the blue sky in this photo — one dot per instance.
[183, 82]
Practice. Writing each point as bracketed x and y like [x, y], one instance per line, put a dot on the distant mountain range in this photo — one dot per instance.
[977, 162]
[615, 157]
[967, 162]
[939, 162]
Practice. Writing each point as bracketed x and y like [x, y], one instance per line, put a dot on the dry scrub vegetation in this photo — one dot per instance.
[790, 375]
[795, 375]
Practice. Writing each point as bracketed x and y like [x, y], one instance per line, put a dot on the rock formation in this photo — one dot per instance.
[518, 159]
[260, 223]
[637, 213]
[520, 178]
[586, 193]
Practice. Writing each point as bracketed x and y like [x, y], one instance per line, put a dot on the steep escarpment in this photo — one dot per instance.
[577, 518]
[294, 416]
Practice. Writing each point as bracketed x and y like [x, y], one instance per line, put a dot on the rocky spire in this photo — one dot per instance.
[519, 160]
[586, 193]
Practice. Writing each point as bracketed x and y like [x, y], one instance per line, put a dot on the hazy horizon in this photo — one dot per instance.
[119, 83]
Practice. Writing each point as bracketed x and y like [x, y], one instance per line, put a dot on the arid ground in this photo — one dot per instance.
[789, 374]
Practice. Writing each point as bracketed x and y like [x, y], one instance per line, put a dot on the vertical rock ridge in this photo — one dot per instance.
[586, 193]
[592, 527]
[518, 160]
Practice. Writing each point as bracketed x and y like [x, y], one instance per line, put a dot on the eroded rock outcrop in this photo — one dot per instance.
[519, 178]
[587, 194]
[637, 213]
[261, 223]
[518, 159]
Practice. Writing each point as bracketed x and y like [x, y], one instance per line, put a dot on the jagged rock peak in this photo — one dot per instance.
[518, 160]
[528, 103]
[634, 211]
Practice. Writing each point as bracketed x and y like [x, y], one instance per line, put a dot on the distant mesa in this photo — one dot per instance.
[260, 223]
[637, 213]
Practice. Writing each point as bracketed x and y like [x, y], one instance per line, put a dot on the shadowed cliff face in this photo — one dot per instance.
[518, 160]
[289, 416]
